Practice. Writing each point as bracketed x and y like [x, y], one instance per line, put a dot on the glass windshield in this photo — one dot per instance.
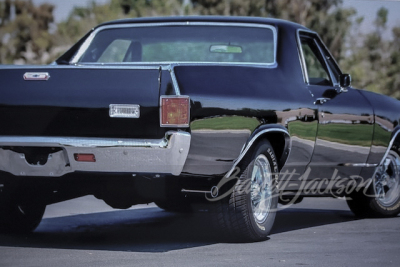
[191, 43]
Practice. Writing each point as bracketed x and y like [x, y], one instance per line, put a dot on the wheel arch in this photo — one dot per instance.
[394, 138]
[277, 135]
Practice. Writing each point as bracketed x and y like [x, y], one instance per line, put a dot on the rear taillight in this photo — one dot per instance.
[175, 111]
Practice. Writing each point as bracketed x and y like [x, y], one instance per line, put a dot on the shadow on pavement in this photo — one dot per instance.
[151, 230]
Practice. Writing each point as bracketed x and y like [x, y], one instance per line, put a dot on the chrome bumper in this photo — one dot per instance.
[162, 156]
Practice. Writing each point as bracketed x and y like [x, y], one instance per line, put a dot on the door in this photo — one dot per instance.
[345, 117]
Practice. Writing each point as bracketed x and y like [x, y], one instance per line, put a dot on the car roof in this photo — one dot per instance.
[228, 19]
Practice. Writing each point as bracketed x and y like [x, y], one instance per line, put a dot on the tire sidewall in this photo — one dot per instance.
[263, 229]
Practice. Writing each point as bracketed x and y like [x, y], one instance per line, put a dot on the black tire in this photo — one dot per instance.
[371, 202]
[20, 218]
[235, 214]
[20, 212]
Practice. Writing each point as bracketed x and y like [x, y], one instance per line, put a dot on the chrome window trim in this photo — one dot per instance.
[331, 76]
[174, 80]
[163, 65]
[302, 59]
[330, 55]
[251, 142]
[89, 40]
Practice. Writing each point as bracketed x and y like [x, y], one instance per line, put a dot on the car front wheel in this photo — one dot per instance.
[382, 198]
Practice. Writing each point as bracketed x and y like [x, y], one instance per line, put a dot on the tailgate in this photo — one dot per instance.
[75, 101]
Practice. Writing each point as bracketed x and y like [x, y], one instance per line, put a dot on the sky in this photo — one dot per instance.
[366, 8]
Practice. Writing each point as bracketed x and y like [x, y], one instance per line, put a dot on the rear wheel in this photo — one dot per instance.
[18, 217]
[382, 198]
[248, 213]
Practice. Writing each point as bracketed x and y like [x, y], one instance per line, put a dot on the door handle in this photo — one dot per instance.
[321, 101]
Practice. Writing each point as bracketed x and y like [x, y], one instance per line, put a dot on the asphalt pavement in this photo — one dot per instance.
[86, 232]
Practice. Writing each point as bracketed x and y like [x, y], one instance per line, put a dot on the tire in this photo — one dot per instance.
[20, 218]
[20, 212]
[248, 213]
[382, 198]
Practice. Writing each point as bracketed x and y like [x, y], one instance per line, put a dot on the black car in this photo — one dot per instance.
[232, 112]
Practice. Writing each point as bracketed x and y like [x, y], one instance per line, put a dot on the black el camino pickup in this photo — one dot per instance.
[238, 113]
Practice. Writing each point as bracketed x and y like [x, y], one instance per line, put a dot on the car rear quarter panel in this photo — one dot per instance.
[229, 103]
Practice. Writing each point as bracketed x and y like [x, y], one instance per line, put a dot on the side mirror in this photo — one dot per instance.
[345, 80]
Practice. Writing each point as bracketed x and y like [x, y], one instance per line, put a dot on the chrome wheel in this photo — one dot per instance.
[261, 191]
[387, 181]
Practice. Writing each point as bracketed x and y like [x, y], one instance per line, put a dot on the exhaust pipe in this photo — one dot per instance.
[213, 192]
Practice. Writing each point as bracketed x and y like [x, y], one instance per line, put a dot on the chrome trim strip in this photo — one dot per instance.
[251, 142]
[119, 66]
[89, 40]
[332, 77]
[174, 80]
[130, 66]
[302, 59]
[36, 76]
[80, 142]
[330, 55]
[367, 165]
[164, 65]
[86, 66]
[167, 155]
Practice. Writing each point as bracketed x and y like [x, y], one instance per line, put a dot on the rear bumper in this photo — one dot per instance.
[162, 156]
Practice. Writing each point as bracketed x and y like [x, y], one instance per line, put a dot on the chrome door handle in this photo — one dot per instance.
[321, 101]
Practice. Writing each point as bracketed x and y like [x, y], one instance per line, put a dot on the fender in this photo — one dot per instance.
[267, 131]
[394, 137]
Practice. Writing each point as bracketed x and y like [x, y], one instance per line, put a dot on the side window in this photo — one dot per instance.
[317, 71]
[115, 52]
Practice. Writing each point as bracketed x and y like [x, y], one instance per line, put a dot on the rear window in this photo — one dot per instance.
[182, 43]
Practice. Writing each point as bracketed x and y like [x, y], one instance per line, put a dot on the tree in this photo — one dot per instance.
[375, 62]
[325, 17]
[27, 37]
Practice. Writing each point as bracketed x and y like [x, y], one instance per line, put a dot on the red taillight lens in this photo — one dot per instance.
[175, 111]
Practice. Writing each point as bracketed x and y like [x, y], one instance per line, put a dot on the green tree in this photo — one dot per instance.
[82, 19]
[327, 17]
[375, 61]
[26, 39]
[393, 84]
